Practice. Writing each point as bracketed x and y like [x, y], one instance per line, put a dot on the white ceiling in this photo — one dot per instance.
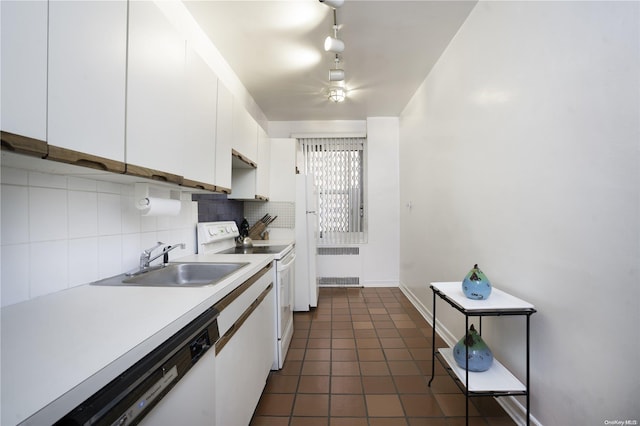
[276, 49]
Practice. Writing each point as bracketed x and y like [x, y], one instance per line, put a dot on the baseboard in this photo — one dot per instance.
[380, 284]
[510, 404]
[442, 331]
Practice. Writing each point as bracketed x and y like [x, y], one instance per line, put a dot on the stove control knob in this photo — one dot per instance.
[211, 231]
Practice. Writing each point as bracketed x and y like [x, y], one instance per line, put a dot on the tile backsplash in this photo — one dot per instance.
[61, 231]
[284, 211]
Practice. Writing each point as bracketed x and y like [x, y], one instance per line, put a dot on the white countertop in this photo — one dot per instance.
[59, 349]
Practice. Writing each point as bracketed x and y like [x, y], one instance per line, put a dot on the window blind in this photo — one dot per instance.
[337, 165]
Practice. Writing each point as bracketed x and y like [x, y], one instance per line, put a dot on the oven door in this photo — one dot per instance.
[285, 284]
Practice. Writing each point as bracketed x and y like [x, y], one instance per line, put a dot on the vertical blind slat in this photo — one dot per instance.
[337, 165]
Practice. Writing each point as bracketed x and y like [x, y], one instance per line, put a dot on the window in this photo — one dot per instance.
[337, 165]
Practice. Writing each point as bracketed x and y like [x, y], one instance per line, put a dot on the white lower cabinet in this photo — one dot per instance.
[243, 363]
[192, 401]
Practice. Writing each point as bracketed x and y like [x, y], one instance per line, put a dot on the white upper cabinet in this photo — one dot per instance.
[200, 120]
[87, 76]
[24, 68]
[155, 91]
[224, 138]
[283, 170]
[252, 183]
[264, 165]
[245, 133]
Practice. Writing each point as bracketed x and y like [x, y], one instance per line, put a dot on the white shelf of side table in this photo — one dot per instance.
[498, 380]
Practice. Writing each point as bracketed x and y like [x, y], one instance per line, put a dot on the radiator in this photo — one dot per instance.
[339, 267]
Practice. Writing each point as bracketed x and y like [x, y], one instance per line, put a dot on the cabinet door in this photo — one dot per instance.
[245, 132]
[87, 72]
[283, 170]
[264, 165]
[224, 137]
[200, 120]
[24, 68]
[243, 365]
[155, 90]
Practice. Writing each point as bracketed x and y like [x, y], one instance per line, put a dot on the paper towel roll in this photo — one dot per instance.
[151, 206]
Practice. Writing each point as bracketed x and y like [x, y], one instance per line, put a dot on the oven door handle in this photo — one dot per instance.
[287, 265]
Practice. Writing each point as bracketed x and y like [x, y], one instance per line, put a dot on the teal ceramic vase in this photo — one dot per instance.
[476, 285]
[479, 355]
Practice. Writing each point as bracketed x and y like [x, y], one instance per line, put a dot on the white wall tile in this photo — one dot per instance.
[83, 261]
[109, 214]
[11, 176]
[148, 239]
[109, 187]
[47, 180]
[47, 214]
[165, 236]
[163, 223]
[63, 231]
[109, 256]
[15, 214]
[81, 184]
[148, 223]
[15, 274]
[131, 250]
[48, 267]
[130, 215]
[83, 214]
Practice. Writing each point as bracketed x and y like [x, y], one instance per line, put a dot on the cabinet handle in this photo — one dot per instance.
[77, 158]
[245, 315]
[198, 185]
[23, 145]
[144, 172]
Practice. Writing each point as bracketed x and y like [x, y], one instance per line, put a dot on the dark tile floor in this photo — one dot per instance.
[363, 358]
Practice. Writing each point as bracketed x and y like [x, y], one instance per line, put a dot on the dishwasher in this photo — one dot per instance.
[157, 389]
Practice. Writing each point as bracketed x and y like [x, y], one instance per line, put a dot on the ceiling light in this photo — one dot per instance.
[332, 44]
[333, 3]
[337, 94]
[336, 75]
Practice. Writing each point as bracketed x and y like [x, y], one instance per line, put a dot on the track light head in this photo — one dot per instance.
[333, 3]
[336, 74]
[333, 44]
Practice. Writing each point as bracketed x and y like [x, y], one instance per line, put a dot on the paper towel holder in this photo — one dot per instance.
[142, 193]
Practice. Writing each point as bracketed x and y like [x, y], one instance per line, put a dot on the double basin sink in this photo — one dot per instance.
[176, 275]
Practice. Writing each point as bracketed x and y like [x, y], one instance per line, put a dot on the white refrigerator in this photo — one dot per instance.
[306, 225]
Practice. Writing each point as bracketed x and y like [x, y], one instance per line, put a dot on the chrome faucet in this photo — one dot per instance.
[146, 259]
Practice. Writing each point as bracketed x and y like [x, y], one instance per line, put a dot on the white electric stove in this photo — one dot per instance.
[220, 238]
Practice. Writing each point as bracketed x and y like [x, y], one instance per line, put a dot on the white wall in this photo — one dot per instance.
[61, 231]
[378, 263]
[520, 152]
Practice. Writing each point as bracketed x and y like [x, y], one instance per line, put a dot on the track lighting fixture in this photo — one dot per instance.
[337, 94]
[336, 74]
[333, 3]
[334, 44]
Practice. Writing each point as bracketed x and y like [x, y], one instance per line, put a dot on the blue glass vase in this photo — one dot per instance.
[479, 354]
[476, 285]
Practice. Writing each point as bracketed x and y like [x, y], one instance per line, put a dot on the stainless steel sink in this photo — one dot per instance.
[177, 275]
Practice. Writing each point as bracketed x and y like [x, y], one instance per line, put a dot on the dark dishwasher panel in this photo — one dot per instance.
[130, 396]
